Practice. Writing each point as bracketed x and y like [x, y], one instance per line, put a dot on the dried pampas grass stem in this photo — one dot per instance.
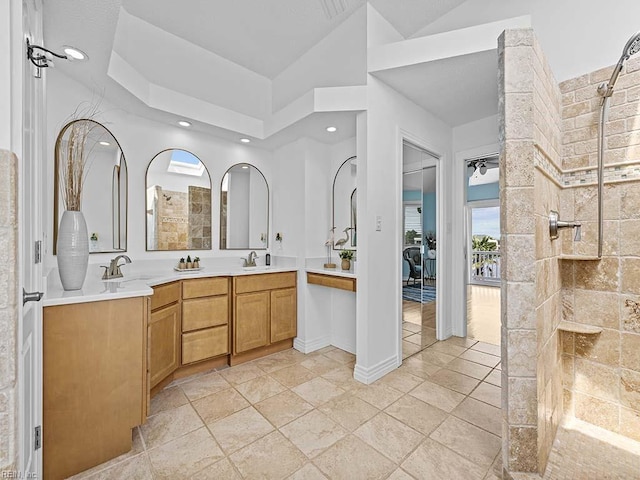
[73, 155]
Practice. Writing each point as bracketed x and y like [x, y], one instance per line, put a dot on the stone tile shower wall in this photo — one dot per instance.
[172, 227]
[547, 159]
[602, 372]
[199, 217]
[8, 311]
[531, 152]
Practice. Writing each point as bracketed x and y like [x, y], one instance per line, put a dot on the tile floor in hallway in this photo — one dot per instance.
[300, 416]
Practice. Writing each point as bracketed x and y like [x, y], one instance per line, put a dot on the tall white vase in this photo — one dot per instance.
[72, 250]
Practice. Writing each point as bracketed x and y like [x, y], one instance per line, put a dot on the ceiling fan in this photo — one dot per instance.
[481, 165]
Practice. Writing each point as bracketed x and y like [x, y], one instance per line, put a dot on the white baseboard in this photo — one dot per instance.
[311, 345]
[371, 374]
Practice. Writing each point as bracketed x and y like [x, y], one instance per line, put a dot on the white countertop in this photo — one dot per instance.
[315, 265]
[137, 280]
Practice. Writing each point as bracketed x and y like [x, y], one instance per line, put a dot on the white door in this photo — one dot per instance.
[30, 232]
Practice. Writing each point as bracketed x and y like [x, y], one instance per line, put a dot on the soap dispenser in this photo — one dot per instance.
[267, 258]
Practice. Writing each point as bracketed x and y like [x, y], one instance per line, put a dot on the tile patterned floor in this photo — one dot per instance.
[299, 416]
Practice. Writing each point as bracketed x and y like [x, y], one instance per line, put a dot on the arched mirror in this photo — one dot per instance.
[104, 189]
[244, 209]
[178, 198]
[345, 205]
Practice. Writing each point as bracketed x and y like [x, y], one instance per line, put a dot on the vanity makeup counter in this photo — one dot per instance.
[317, 266]
[141, 275]
[317, 274]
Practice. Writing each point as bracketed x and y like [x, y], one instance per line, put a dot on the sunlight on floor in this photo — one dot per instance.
[483, 313]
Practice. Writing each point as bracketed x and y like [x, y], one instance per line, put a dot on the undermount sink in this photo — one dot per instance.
[130, 278]
[258, 267]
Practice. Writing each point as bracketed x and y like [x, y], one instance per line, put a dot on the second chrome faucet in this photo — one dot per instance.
[250, 261]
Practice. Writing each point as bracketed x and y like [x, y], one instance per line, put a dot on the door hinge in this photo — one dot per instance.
[37, 253]
[38, 437]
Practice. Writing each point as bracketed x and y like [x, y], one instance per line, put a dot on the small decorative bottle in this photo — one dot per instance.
[196, 262]
[189, 263]
[93, 242]
[181, 264]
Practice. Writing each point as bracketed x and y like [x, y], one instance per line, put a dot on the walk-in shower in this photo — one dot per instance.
[606, 90]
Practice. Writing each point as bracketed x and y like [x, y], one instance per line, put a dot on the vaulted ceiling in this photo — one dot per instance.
[239, 60]
[234, 58]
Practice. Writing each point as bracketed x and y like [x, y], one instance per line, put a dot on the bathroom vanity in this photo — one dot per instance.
[109, 347]
[94, 382]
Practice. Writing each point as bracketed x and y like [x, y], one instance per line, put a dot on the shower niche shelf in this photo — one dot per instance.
[579, 328]
[589, 258]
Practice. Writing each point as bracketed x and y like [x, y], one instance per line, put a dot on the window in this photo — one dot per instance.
[412, 229]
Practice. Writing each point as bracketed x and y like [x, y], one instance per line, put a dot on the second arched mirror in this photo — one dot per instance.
[244, 209]
[178, 202]
[344, 205]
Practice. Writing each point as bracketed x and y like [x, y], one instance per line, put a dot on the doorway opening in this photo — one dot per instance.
[419, 248]
[483, 262]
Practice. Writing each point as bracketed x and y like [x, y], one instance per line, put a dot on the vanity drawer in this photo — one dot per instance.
[204, 287]
[205, 344]
[205, 312]
[165, 295]
[264, 281]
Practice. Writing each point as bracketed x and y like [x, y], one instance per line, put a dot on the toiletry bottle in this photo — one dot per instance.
[267, 258]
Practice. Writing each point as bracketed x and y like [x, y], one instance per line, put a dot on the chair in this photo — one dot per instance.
[413, 258]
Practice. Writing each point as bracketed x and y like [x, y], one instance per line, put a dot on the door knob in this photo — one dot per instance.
[31, 296]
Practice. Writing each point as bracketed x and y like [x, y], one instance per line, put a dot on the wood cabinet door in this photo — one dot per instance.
[164, 343]
[284, 319]
[251, 321]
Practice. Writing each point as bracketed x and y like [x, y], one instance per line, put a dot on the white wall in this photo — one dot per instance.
[258, 208]
[238, 208]
[578, 36]
[294, 194]
[97, 195]
[193, 70]
[338, 60]
[302, 212]
[141, 140]
[288, 198]
[5, 77]
[380, 195]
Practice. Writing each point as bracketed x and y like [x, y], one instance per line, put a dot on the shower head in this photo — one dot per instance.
[631, 48]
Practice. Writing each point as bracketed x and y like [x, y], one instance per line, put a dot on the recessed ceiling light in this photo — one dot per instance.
[105, 144]
[184, 123]
[332, 129]
[245, 140]
[245, 166]
[74, 54]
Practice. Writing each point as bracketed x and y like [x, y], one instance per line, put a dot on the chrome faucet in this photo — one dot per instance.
[113, 270]
[250, 261]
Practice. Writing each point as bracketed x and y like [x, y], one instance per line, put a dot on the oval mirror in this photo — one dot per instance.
[345, 205]
[104, 188]
[178, 202]
[244, 209]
